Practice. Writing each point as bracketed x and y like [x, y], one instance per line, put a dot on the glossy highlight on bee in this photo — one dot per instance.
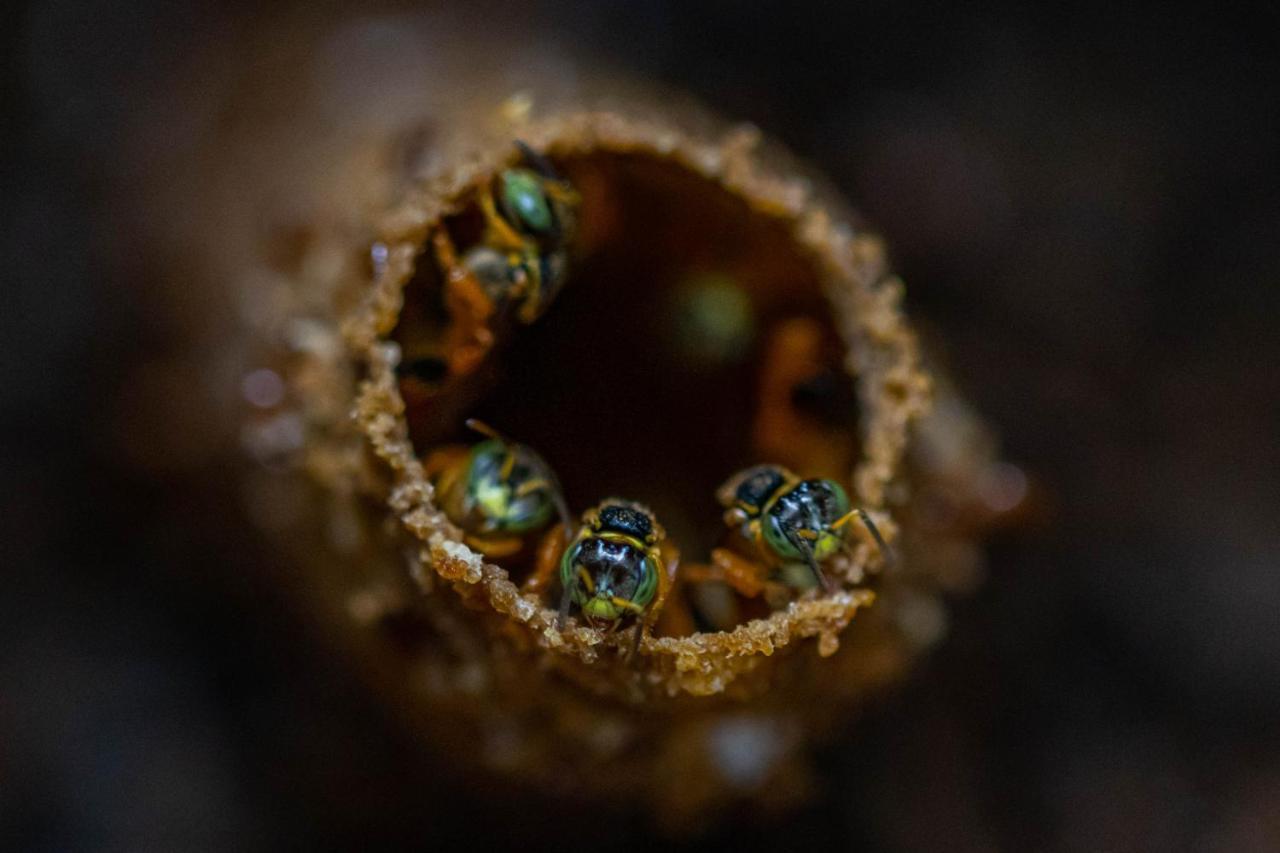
[498, 491]
[792, 522]
[615, 567]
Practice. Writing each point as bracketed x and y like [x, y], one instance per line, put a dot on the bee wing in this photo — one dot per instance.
[728, 492]
[557, 491]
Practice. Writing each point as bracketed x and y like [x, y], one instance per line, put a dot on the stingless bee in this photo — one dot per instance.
[518, 265]
[618, 568]
[793, 525]
[499, 492]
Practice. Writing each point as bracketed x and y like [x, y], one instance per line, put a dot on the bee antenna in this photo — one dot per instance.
[889, 557]
[562, 508]
[477, 425]
[805, 549]
[537, 161]
[635, 641]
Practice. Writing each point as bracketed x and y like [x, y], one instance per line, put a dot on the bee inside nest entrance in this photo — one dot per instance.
[691, 340]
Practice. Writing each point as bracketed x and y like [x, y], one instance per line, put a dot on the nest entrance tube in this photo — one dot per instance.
[721, 310]
[634, 383]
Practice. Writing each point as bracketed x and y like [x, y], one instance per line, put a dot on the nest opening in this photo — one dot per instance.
[713, 316]
[643, 379]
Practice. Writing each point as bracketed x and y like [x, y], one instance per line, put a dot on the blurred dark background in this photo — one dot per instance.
[1084, 205]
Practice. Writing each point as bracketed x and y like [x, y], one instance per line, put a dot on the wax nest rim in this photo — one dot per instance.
[882, 354]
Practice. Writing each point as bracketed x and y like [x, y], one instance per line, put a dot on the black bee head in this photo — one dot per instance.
[627, 520]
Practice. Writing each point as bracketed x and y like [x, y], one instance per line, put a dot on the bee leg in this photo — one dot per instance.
[463, 294]
[669, 560]
[530, 295]
[443, 459]
[469, 307]
[744, 576]
[496, 549]
[823, 580]
[801, 539]
[668, 557]
[675, 616]
[566, 598]
[550, 549]
[633, 653]
[497, 232]
[563, 193]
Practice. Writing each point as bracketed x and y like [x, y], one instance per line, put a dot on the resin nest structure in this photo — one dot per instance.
[628, 383]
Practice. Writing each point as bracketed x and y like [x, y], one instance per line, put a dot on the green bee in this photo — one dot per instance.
[619, 566]
[517, 266]
[529, 218]
[499, 492]
[791, 522]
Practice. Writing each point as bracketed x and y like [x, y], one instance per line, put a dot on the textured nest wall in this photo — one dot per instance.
[697, 720]
[882, 354]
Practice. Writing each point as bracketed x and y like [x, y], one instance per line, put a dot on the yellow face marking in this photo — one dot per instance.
[600, 608]
[807, 534]
[495, 499]
[585, 577]
[826, 545]
[508, 465]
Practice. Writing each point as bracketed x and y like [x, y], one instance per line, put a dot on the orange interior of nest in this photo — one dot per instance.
[692, 339]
